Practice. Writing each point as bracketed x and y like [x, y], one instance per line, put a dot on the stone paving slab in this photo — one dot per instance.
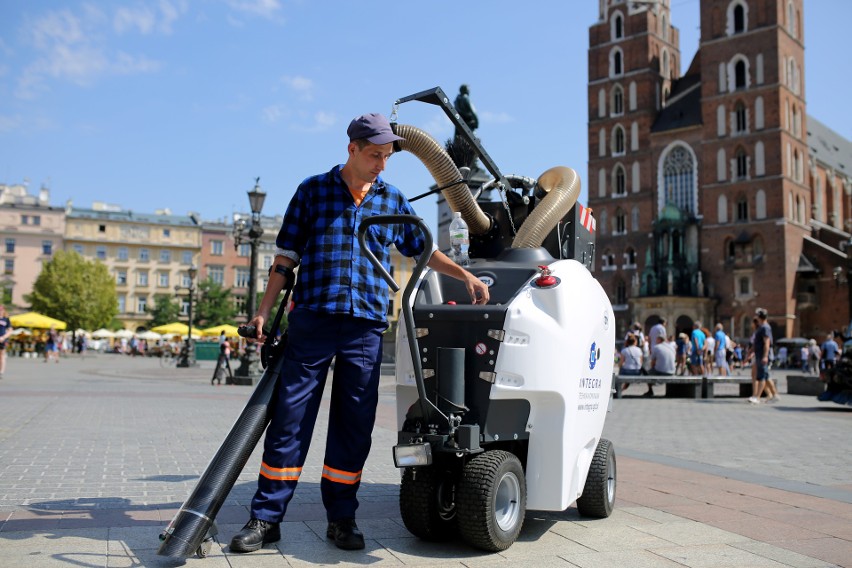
[97, 455]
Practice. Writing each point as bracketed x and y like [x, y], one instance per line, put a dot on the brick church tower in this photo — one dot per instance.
[712, 193]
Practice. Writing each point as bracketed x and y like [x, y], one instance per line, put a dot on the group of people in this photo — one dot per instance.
[817, 357]
[700, 353]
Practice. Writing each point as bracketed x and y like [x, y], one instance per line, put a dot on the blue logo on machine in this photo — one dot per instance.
[593, 356]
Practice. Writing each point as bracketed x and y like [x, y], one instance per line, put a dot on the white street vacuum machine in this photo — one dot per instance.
[500, 406]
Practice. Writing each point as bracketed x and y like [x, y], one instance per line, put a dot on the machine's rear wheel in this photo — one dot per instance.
[427, 503]
[492, 500]
[598, 496]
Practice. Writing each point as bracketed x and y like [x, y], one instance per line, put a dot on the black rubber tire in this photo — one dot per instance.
[427, 503]
[598, 498]
[492, 492]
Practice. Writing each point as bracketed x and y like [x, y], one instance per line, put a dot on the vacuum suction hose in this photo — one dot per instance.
[562, 185]
[445, 172]
[193, 523]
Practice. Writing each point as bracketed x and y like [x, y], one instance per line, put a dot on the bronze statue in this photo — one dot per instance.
[465, 109]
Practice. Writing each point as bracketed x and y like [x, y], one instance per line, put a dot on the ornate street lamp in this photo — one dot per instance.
[250, 369]
[187, 354]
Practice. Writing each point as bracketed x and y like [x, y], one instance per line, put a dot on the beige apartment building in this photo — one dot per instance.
[30, 231]
[148, 254]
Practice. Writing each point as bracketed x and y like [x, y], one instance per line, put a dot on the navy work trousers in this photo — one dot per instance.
[314, 339]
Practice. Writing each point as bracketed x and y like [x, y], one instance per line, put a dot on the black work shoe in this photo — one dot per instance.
[254, 535]
[345, 534]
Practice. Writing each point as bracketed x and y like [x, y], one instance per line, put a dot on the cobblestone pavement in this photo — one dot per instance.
[97, 454]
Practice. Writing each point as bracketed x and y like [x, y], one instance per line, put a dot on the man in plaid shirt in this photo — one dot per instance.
[341, 302]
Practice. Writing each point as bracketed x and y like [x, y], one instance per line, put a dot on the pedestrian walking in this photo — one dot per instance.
[223, 363]
[5, 334]
[829, 349]
[51, 345]
[696, 354]
[340, 306]
[720, 351]
[762, 344]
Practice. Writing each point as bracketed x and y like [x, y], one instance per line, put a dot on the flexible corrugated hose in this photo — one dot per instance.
[562, 185]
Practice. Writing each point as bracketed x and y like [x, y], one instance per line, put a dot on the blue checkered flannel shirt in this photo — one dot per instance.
[321, 226]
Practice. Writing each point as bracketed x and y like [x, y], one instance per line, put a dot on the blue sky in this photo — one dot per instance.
[180, 104]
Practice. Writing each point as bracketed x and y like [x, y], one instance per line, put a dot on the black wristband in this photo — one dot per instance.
[287, 273]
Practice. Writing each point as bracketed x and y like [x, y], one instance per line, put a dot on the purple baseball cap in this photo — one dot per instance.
[372, 127]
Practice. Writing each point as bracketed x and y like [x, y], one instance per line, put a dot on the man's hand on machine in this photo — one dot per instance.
[477, 289]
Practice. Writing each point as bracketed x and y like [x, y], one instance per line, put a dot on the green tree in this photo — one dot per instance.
[166, 309]
[214, 305]
[77, 291]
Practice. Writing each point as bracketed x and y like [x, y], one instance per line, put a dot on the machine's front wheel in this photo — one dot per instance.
[598, 498]
[492, 500]
[427, 503]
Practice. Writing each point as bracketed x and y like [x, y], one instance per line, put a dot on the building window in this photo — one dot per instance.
[267, 261]
[241, 277]
[122, 303]
[740, 75]
[167, 233]
[739, 19]
[617, 26]
[617, 100]
[617, 140]
[165, 256]
[742, 209]
[163, 279]
[621, 293]
[244, 250]
[7, 293]
[9, 266]
[620, 222]
[78, 249]
[10, 245]
[217, 248]
[634, 218]
[216, 274]
[740, 123]
[47, 248]
[102, 228]
[619, 186]
[31, 220]
[679, 179]
[100, 253]
[630, 258]
[184, 307]
[742, 164]
[141, 304]
[121, 277]
[186, 257]
[616, 66]
[144, 255]
[142, 277]
[122, 253]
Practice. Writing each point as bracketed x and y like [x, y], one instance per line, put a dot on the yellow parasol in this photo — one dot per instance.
[230, 331]
[37, 321]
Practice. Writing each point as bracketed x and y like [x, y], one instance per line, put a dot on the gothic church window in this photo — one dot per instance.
[617, 23]
[620, 293]
[791, 19]
[617, 100]
[741, 163]
[720, 165]
[742, 209]
[617, 140]
[616, 62]
[620, 222]
[619, 185]
[740, 122]
[679, 175]
[634, 222]
[740, 75]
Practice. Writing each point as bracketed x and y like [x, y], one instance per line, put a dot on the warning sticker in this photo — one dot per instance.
[480, 348]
